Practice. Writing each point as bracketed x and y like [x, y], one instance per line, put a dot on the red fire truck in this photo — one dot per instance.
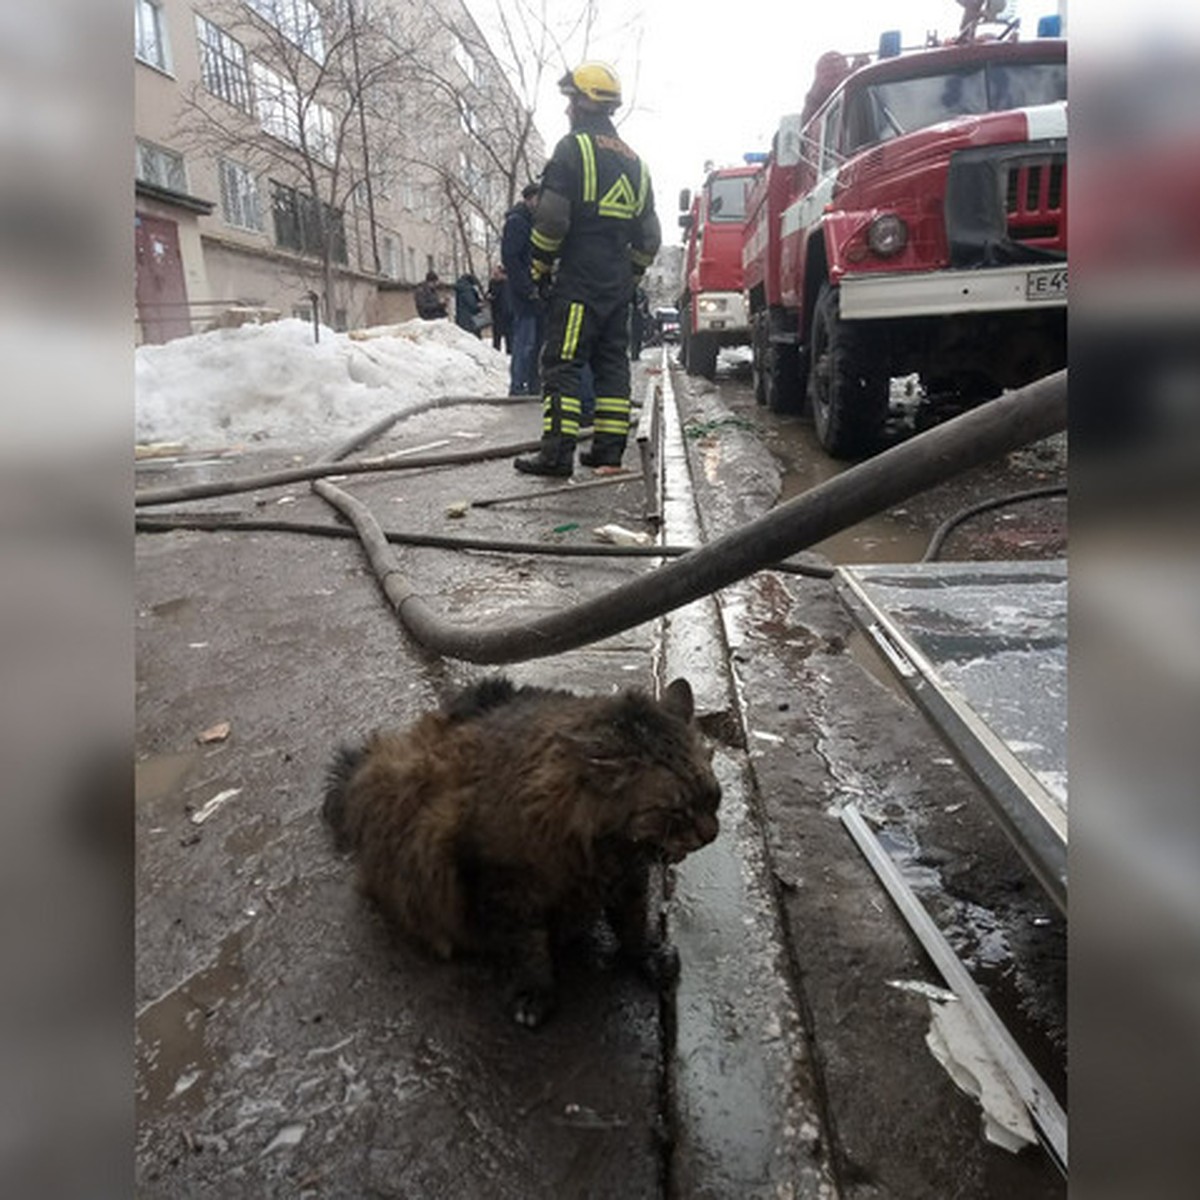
[712, 307]
[915, 223]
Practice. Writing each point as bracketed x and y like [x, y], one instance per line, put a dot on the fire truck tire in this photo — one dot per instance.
[776, 368]
[702, 359]
[847, 387]
[758, 356]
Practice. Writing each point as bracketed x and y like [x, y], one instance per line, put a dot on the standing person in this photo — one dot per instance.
[497, 298]
[525, 303]
[596, 217]
[639, 320]
[468, 304]
[430, 306]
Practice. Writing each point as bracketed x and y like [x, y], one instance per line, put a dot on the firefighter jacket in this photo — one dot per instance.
[595, 216]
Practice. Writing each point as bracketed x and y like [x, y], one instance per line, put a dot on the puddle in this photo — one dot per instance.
[157, 779]
[174, 1062]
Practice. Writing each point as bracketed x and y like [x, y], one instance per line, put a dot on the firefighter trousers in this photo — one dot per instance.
[578, 334]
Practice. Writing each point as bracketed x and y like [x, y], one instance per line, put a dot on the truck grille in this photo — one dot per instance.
[1007, 204]
[1035, 200]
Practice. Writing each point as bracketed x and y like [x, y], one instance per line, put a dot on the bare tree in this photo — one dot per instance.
[483, 98]
[286, 88]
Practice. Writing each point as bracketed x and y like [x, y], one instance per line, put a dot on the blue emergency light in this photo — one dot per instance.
[889, 43]
[754, 156]
[1050, 26]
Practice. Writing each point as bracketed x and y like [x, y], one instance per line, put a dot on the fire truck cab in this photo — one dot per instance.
[712, 307]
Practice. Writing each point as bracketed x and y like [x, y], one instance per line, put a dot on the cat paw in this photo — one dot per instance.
[659, 964]
[531, 1007]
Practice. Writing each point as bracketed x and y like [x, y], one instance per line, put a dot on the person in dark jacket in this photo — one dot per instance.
[525, 303]
[430, 305]
[497, 298]
[595, 218]
[639, 322]
[468, 304]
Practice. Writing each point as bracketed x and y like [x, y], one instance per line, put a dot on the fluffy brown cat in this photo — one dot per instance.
[510, 820]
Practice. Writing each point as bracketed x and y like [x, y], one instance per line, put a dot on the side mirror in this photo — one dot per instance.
[685, 220]
[788, 140]
[685, 199]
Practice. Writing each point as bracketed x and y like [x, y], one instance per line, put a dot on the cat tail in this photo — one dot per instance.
[346, 760]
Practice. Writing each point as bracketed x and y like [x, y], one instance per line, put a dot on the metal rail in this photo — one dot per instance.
[1045, 1110]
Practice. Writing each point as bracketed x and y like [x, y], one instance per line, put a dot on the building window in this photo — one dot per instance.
[239, 196]
[298, 223]
[160, 167]
[298, 21]
[412, 263]
[223, 64]
[150, 35]
[278, 106]
[390, 256]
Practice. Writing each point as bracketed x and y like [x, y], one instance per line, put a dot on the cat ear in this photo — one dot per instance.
[678, 701]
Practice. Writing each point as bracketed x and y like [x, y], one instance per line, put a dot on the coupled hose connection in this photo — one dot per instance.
[1016, 419]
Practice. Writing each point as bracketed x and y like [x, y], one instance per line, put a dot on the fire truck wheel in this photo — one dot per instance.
[847, 386]
[781, 379]
[758, 355]
[702, 355]
[775, 368]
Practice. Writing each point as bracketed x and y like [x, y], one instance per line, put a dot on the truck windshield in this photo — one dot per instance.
[888, 110]
[727, 198]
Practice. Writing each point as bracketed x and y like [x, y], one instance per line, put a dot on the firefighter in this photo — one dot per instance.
[594, 234]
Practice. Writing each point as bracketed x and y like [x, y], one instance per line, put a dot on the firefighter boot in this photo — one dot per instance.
[560, 427]
[555, 456]
[611, 425]
[605, 451]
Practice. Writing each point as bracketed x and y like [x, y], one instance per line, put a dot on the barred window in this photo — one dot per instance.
[223, 64]
[160, 167]
[150, 35]
[297, 217]
[298, 21]
[239, 196]
[278, 105]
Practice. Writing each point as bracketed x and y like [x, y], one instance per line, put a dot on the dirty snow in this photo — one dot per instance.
[273, 383]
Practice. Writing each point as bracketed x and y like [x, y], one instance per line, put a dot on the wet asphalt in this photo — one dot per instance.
[288, 1045]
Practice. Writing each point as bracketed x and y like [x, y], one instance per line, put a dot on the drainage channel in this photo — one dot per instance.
[739, 1082]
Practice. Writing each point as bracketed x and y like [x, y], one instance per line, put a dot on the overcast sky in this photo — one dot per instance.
[710, 81]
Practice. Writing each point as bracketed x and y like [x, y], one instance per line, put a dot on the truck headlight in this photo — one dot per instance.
[887, 235]
[712, 304]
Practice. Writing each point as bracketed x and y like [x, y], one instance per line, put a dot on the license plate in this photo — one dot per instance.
[1046, 284]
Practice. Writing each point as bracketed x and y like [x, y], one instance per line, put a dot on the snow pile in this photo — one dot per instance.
[264, 382]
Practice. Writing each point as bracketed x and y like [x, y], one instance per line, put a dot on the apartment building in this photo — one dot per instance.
[327, 153]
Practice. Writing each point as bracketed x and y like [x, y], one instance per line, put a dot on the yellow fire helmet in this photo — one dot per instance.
[595, 80]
